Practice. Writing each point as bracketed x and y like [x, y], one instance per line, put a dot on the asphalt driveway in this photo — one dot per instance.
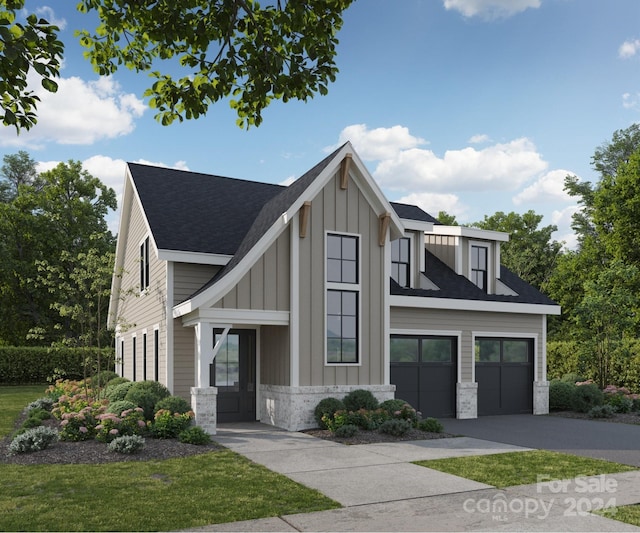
[589, 438]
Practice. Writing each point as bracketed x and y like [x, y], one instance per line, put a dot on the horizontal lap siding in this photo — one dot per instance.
[341, 211]
[468, 322]
[443, 247]
[183, 359]
[142, 311]
[188, 278]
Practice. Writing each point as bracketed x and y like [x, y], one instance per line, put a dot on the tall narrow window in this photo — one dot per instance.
[400, 261]
[122, 358]
[342, 298]
[156, 354]
[144, 264]
[133, 350]
[144, 357]
[479, 267]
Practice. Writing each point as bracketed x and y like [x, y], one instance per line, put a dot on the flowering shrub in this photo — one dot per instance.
[111, 426]
[33, 440]
[168, 425]
[78, 426]
[619, 398]
[407, 413]
[126, 444]
[75, 397]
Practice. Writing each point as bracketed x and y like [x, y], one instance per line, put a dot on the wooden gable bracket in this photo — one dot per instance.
[304, 219]
[385, 219]
[344, 176]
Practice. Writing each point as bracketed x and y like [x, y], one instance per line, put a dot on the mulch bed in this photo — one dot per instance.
[372, 437]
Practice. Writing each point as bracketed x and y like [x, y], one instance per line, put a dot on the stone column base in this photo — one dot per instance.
[204, 404]
[466, 400]
[540, 397]
[292, 408]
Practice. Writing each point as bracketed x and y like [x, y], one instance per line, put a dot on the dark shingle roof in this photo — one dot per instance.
[458, 287]
[193, 212]
[413, 212]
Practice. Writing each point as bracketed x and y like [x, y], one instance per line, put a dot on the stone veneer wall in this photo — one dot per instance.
[204, 404]
[540, 397]
[466, 400]
[292, 408]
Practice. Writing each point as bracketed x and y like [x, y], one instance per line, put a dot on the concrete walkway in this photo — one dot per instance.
[382, 491]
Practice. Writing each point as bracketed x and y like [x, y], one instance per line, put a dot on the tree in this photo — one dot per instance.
[18, 169]
[530, 253]
[447, 219]
[227, 48]
[27, 46]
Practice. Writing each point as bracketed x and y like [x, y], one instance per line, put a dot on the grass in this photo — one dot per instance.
[13, 399]
[626, 513]
[175, 494]
[521, 468]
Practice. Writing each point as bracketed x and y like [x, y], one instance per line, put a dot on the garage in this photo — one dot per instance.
[504, 373]
[424, 371]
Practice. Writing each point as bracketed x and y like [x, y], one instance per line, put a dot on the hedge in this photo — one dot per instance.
[21, 365]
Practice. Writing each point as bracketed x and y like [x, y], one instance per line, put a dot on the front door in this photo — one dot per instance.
[233, 372]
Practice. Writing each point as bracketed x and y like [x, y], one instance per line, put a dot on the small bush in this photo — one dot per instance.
[194, 435]
[117, 381]
[346, 431]
[33, 440]
[572, 378]
[102, 378]
[117, 392]
[396, 427]
[601, 411]
[360, 399]
[327, 408]
[78, 426]
[168, 425]
[619, 403]
[586, 397]
[636, 404]
[367, 420]
[31, 422]
[120, 405]
[561, 395]
[175, 404]
[45, 403]
[110, 426]
[146, 394]
[39, 413]
[390, 406]
[431, 425]
[126, 444]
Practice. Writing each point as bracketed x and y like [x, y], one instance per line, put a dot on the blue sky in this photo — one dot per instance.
[467, 106]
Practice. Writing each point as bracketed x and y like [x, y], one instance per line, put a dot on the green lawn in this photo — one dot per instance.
[520, 468]
[13, 399]
[626, 513]
[214, 487]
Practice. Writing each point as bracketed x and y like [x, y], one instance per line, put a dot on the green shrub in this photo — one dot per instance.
[572, 377]
[31, 422]
[168, 425]
[120, 405]
[33, 440]
[126, 444]
[601, 411]
[39, 413]
[117, 392]
[111, 426]
[360, 399]
[431, 425]
[327, 408]
[102, 378]
[78, 426]
[586, 397]
[194, 435]
[175, 404]
[619, 402]
[45, 403]
[396, 427]
[146, 394]
[636, 404]
[347, 431]
[561, 395]
[391, 406]
[116, 381]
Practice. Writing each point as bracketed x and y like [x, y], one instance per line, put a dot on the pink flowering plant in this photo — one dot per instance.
[111, 426]
[620, 398]
[168, 425]
[74, 397]
[78, 426]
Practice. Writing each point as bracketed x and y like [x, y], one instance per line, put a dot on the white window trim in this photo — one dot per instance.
[412, 259]
[503, 335]
[352, 287]
[156, 375]
[490, 267]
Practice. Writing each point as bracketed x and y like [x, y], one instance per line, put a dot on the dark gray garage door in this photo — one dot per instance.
[504, 373]
[424, 371]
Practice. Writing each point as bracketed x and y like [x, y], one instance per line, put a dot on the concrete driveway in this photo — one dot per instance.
[589, 438]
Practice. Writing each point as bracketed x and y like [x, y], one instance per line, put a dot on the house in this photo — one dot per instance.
[255, 301]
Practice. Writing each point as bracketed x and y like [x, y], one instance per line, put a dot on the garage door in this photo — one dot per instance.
[424, 371]
[504, 373]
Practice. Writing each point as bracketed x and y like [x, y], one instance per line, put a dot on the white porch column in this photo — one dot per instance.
[204, 353]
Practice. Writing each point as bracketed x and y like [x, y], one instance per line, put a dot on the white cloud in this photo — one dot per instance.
[434, 203]
[80, 112]
[48, 13]
[548, 188]
[629, 48]
[490, 9]
[562, 219]
[379, 143]
[497, 167]
[631, 101]
[479, 139]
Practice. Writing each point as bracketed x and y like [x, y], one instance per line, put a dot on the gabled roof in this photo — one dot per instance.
[413, 212]
[455, 286]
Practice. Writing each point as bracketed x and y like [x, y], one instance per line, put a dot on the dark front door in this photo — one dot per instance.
[233, 372]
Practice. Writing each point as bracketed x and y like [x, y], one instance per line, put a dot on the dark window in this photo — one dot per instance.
[156, 353]
[133, 347]
[342, 326]
[479, 266]
[400, 261]
[422, 349]
[228, 362]
[144, 264]
[144, 357]
[122, 357]
[342, 259]
[502, 350]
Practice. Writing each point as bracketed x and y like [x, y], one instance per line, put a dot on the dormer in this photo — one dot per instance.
[470, 252]
[407, 254]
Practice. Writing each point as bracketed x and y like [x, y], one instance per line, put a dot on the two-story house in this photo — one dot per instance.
[257, 300]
